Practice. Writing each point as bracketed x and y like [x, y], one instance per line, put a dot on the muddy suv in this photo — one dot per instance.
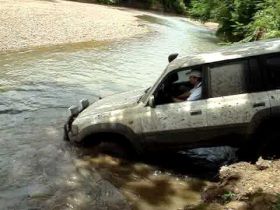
[240, 100]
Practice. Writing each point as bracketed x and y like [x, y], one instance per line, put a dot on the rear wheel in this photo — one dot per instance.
[265, 143]
[269, 143]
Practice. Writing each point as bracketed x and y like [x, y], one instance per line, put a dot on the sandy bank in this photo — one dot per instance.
[31, 23]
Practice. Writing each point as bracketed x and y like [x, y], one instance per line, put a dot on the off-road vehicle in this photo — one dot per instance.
[240, 100]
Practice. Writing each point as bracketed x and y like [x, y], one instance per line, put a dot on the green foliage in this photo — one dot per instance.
[202, 9]
[277, 204]
[244, 20]
[242, 15]
[224, 16]
[177, 6]
[227, 197]
[266, 22]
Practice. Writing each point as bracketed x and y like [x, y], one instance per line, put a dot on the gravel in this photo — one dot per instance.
[31, 23]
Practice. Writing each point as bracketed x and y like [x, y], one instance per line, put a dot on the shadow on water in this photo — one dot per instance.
[146, 184]
[163, 181]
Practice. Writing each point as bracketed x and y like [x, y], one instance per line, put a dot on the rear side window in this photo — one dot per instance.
[228, 79]
[272, 69]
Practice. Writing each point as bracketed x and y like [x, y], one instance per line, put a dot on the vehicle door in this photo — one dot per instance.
[231, 105]
[173, 125]
[271, 70]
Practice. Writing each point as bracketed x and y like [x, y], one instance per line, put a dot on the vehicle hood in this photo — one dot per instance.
[113, 102]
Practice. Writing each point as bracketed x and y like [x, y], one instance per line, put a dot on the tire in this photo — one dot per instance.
[113, 149]
[65, 136]
[268, 142]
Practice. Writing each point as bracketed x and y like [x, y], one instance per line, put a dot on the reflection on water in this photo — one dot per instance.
[37, 169]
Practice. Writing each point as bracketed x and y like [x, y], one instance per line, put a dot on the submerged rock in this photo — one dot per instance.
[212, 157]
[38, 190]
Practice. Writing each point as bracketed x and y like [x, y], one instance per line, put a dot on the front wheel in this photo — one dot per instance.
[113, 149]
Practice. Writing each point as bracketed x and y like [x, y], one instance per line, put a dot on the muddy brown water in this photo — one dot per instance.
[40, 171]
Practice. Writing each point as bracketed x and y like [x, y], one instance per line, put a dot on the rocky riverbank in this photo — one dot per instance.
[31, 23]
[246, 186]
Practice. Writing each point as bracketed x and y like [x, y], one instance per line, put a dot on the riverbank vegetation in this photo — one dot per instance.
[239, 20]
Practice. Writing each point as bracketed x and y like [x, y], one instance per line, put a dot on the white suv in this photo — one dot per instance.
[240, 96]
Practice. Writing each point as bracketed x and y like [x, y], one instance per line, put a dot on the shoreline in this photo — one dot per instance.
[212, 26]
[42, 24]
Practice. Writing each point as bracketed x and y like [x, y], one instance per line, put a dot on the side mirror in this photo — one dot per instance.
[152, 101]
[173, 56]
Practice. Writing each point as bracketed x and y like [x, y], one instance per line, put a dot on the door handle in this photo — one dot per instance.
[196, 112]
[258, 104]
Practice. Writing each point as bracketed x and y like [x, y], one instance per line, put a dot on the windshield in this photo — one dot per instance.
[148, 90]
[152, 88]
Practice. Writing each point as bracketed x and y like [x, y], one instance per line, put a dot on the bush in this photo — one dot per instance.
[234, 17]
[180, 7]
[266, 22]
[244, 20]
[277, 204]
[202, 9]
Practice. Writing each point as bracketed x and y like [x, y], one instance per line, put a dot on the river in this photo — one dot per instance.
[38, 169]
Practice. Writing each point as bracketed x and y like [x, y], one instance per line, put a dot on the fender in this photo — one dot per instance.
[258, 119]
[275, 111]
[113, 128]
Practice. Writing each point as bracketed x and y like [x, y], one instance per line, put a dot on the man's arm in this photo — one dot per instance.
[181, 97]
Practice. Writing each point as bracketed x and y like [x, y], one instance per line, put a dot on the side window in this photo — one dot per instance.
[177, 85]
[272, 69]
[256, 78]
[228, 79]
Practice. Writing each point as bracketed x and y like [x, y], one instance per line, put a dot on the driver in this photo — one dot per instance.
[196, 92]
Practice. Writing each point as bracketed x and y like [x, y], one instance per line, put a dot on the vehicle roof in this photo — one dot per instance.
[227, 53]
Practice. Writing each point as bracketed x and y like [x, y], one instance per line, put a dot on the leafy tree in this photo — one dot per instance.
[202, 9]
[177, 6]
[266, 22]
[242, 15]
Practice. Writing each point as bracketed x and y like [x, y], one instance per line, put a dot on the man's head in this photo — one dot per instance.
[195, 77]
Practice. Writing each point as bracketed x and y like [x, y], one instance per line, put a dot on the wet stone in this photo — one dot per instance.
[262, 164]
[38, 190]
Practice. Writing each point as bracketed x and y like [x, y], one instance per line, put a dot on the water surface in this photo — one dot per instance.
[40, 171]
